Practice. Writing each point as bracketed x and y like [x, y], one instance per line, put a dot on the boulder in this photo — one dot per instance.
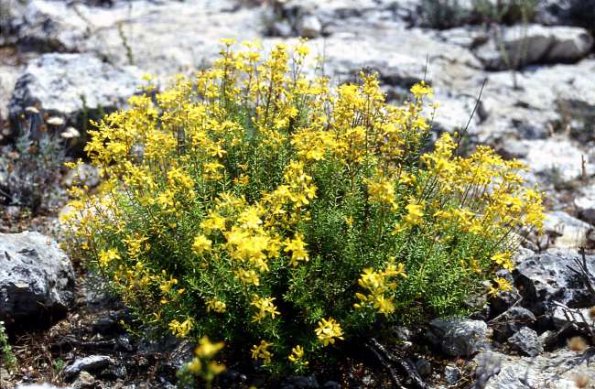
[511, 321]
[73, 87]
[36, 280]
[310, 27]
[45, 26]
[558, 369]
[527, 342]
[558, 160]
[565, 231]
[521, 45]
[581, 319]
[548, 277]
[89, 364]
[458, 337]
[585, 204]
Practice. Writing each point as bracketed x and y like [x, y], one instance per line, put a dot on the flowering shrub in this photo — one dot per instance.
[260, 206]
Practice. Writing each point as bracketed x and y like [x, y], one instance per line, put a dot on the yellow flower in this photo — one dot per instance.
[201, 244]
[415, 213]
[215, 306]
[180, 330]
[207, 349]
[504, 260]
[261, 351]
[297, 353]
[265, 307]
[421, 89]
[502, 285]
[328, 331]
[297, 247]
[248, 277]
[107, 256]
[213, 222]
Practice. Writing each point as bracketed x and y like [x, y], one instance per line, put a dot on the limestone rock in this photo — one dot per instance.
[72, 86]
[36, 279]
[527, 342]
[458, 337]
[546, 277]
[535, 44]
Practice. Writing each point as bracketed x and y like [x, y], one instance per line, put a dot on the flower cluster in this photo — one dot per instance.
[259, 205]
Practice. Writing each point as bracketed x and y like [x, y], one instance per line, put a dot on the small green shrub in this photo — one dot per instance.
[257, 205]
[7, 358]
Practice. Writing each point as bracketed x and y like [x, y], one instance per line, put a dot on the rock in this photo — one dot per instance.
[452, 374]
[182, 354]
[89, 364]
[8, 79]
[469, 37]
[121, 34]
[84, 381]
[281, 28]
[511, 321]
[300, 382]
[40, 386]
[400, 68]
[310, 27]
[73, 86]
[528, 105]
[557, 160]
[82, 175]
[423, 367]
[581, 319]
[458, 337]
[36, 280]
[546, 277]
[513, 148]
[585, 204]
[558, 370]
[565, 231]
[534, 44]
[453, 113]
[527, 342]
[567, 12]
[45, 26]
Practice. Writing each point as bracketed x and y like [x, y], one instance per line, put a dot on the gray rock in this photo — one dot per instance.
[535, 44]
[558, 370]
[585, 204]
[89, 364]
[120, 33]
[44, 26]
[527, 342]
[40, 386]
[565, 231]
[511, 321]
[36, 279]
[557, 160]
[8, 79]
[546, 277]
[579, 318]
[310, 27]
[423, 367]
[458, 337]
[72, 86]
[281, 28]
[452, 374]
[84, 174]
[84, 381]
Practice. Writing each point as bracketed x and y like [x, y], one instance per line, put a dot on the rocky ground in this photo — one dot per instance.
[525, 88]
